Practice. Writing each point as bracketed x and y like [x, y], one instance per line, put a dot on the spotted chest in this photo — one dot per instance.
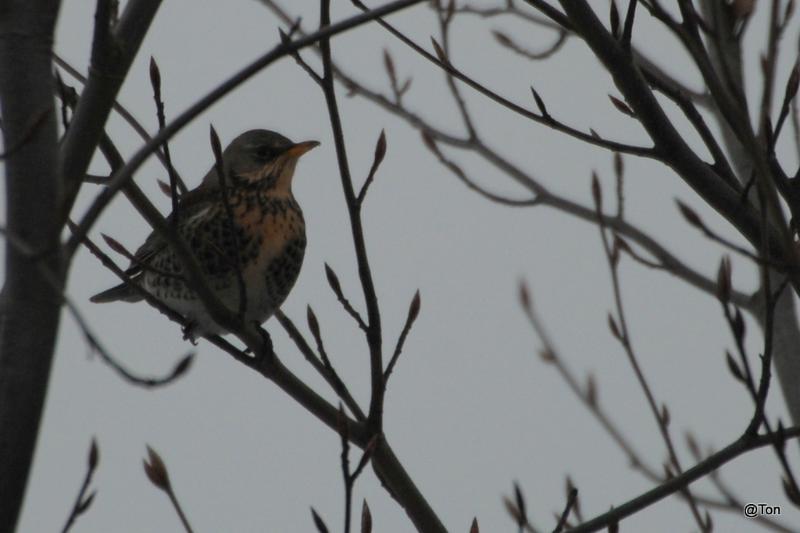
[267, 241]
[277, 229]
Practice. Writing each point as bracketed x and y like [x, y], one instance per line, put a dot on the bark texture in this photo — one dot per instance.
[31, 297]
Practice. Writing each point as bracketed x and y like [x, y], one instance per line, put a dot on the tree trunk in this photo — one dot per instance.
[31, 298]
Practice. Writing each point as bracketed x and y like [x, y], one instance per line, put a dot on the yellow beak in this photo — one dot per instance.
[300, 148]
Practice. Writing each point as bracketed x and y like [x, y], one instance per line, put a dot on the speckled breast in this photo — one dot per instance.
[280, 231]
[283, 270]
[269, 238]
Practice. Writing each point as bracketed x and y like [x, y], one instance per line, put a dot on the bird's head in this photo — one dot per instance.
[265, 158]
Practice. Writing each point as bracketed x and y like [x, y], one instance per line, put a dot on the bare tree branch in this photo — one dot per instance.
[109, 67]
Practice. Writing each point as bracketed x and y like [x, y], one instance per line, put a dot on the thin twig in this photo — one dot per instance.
[155, 81]
[377, 159]
[538, 55]
[373, 332]
[445, 17]
[471, 184]
[694, 219]
[333, 281]
[82, 501]
[572, 497]
[348, 481]
[308, 353]
[156, 472]
[627, 30]
[622, 334]
[413, 313]
[222, 174]
[768, 71]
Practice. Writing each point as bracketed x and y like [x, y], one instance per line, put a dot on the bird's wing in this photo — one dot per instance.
[191, 204]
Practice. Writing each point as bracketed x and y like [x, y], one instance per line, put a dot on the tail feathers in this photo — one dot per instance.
[122, 292]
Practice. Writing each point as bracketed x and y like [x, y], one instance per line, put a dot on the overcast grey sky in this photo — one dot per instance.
[470, 407]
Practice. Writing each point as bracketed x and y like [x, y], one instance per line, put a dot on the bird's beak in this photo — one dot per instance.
[300, 148]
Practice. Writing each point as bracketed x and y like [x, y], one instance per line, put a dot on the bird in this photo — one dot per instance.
[259, 240]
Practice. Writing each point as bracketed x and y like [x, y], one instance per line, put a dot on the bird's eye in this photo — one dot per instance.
[266, 153]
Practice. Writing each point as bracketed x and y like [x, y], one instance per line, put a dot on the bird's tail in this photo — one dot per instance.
[122, 292]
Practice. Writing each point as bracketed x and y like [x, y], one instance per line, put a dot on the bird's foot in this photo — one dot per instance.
[267, 350]
[190, 332]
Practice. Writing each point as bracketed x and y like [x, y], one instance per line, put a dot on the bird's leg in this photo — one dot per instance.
[268, 351]
[189, 331]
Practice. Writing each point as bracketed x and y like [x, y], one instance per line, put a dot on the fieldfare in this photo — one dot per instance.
[266, 231]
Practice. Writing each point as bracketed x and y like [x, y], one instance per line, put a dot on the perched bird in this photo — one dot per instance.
[264, 238]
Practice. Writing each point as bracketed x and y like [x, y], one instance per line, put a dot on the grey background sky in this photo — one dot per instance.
[470, 407]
